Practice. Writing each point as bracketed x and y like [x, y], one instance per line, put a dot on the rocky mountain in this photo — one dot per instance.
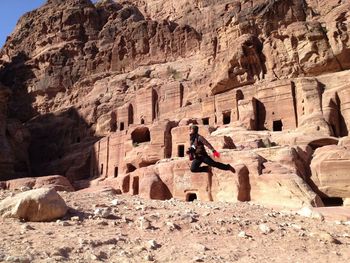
[103, 93]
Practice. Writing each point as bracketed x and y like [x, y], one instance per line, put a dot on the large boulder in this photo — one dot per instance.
[232, 187]
[271, 178]
[151, 186]
[58, 182]
[283, 190]
[330, 170]
[38, 205]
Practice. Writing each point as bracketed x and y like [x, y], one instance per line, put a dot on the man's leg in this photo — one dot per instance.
[209, 161]
[195, 166]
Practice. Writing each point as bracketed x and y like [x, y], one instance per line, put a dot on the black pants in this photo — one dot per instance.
[195, 166]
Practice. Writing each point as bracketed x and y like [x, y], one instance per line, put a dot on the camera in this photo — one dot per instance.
[191, 151]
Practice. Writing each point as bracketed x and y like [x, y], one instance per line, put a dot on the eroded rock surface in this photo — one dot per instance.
[58, 182]
[103, 94]
[35, 205]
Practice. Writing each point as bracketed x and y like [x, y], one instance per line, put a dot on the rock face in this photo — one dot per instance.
[106, 92]
[6, 160]
[14, 142]
[35, 205]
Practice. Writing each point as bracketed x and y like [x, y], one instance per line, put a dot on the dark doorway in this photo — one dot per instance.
[277, 125]
[190, 197]
[168, 142]
[130, 168]
[135, 185]
[116, 171]
[181, 150]
[295, 106]
[181, 94]
[130, 114]
[226, 117]
[78, 139]
[244, 187]
[260, 115]
[113, 122]
[239, 95]
[122, 126]
[101, 169]
[332, 201]
[155, 105]
[126, 184]
[142, 121]
[334, 130]
[343, 129]
[205, 121]
[140, 135]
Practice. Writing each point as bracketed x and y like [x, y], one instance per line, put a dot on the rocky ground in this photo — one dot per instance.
[107, 227]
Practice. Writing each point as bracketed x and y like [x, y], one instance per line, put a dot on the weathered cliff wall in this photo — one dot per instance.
[103, 91]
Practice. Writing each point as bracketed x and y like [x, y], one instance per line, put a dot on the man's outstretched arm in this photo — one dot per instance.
[206, 143]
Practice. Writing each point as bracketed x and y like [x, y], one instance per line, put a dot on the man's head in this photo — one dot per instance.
[193, 129]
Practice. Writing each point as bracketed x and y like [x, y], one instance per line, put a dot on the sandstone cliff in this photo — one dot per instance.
[104, 91]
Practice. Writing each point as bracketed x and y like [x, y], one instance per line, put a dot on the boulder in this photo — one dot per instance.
[330, 170]
[58, 182]
[151, 186]
[232, 187]
[21, 183]
[283, 190]
[39, 205]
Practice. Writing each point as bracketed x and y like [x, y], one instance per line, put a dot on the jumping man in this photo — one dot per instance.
[199, 154]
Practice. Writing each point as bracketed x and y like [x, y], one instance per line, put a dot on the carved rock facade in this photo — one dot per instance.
[106, 93]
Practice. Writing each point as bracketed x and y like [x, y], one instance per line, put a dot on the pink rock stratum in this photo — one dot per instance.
[102, 95]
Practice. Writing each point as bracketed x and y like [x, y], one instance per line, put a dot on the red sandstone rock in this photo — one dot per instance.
[151, 186]
[26, 183]
[40, 205]
[58, 182]
[292, 191]
[106, 93]
[330, 170]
